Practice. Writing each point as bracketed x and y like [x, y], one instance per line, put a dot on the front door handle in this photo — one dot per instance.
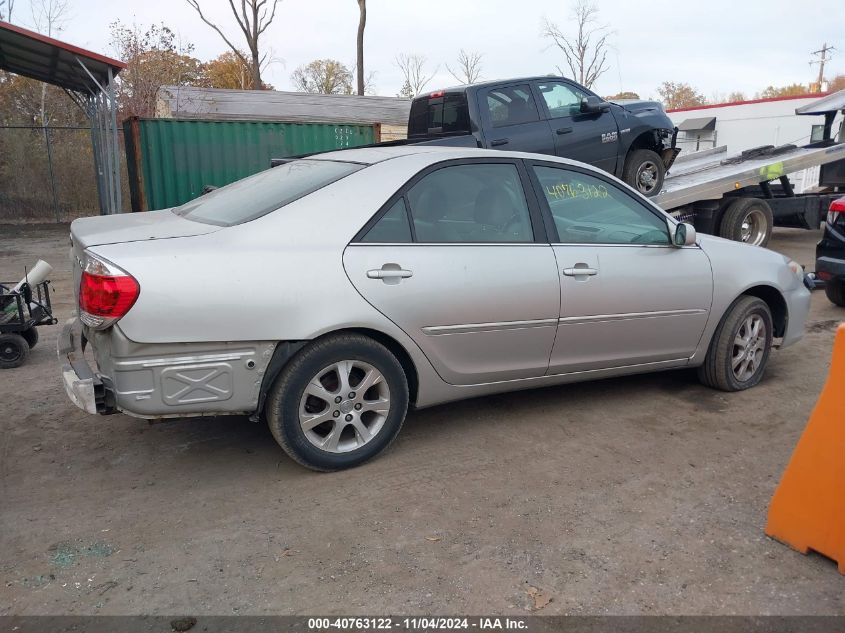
[577, 272]
[499, 141]
[563, 130]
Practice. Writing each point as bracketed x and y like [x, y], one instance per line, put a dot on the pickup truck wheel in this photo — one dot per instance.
[644, 171]
[739, 350]
[14, 351]
[31, 336]
[748, 220]
[835, 291]
[339, 402]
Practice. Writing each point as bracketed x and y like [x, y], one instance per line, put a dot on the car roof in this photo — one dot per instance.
[433, 154]
[375, 154]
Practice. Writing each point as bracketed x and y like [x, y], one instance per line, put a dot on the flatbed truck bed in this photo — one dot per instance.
[742, 197]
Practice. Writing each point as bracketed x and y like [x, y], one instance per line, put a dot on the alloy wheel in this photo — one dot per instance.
[748, 347]
[344, 406]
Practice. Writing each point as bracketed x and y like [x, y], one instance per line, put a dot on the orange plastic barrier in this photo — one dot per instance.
[808, 508]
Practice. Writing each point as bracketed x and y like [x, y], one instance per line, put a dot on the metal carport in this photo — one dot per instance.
[88, 79]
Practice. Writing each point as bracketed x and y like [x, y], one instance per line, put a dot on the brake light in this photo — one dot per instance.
[836, 207]
[437, 95]
[106, 293]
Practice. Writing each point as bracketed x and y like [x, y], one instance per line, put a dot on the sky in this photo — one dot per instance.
[718, 46]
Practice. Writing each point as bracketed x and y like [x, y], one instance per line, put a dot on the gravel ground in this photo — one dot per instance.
[642, 495]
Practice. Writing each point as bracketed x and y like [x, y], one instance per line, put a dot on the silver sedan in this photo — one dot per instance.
[330, 294]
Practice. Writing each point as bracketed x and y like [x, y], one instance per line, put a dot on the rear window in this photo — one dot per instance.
[264, 192]
[444, 114]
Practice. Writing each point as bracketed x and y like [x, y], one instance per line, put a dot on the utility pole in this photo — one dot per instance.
[822, 53]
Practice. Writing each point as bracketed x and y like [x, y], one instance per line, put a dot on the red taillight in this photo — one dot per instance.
[437, 95]
[107, 296]
[836, 207]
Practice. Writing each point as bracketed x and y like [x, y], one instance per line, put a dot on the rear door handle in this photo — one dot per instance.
[563, 130]
[577, 272]
[499, 141]
[381, 273]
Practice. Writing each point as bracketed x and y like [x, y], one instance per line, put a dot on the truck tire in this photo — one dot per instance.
[740, 347]
[748, 220]
[339, 402]
[835, 291]
[644, 171]
[14, 351]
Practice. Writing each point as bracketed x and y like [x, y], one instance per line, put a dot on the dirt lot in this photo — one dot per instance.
[643, 495]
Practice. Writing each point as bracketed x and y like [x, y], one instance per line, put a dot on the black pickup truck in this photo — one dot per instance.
[633, 140]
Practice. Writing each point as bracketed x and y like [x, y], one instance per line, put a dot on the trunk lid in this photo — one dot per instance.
[135, 227]
[127, 227]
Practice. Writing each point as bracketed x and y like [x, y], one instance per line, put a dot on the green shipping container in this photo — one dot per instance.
[170, 161]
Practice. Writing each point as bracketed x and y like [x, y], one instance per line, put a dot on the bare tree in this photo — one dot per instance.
[369, 81]
[586, 52]
[414, 73]
[6, 14]
[49, 17]
[253, 20]
[359, 63]
[468, 70]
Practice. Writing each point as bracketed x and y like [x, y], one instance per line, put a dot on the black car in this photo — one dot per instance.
[830, 253]
[633, 140]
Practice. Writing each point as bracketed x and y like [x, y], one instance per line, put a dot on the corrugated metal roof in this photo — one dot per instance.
[701, 124]
[831, 103]
[187, 102]
[31, 54]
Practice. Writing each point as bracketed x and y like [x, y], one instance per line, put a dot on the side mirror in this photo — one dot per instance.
[592, 105]
[684, 235]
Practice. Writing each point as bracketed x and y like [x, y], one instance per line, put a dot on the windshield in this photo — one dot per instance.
[264, 192]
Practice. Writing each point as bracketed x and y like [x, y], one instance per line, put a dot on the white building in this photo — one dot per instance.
[742, 125]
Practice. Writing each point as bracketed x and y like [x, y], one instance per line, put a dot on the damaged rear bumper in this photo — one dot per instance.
[82, 384]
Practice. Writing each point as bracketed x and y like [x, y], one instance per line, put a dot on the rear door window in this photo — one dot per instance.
[439, 113]
[511, 105]
[392, 228]
[471, 203]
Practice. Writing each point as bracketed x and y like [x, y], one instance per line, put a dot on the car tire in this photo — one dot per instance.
[747, 220]
[644, 171]
[14, 350]
[350, 431]
[31, 336]
[737, 356]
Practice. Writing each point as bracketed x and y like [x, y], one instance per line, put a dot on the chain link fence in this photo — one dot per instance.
[47, 174]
